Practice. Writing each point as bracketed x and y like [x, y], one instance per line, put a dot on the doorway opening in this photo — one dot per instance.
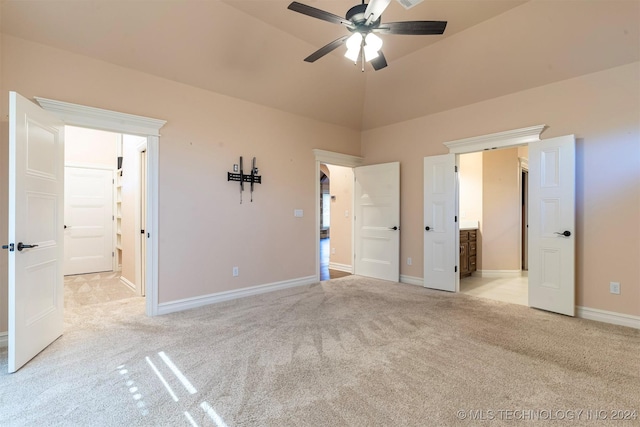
[149, 129]
[335, 225]
[105, 205]
[492, 207]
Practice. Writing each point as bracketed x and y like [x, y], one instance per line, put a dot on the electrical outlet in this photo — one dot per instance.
[235, 271]
[333, 251]
[409, 261]
[614, 288]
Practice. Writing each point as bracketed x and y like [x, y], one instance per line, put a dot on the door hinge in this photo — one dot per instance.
[113, 181]
[113, 254]
[456, 168]
[456, 269]
[455, 218]
[10, 246]
[113, 217]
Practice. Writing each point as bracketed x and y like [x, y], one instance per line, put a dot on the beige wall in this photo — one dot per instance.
[341, 224]
[602, 110]
[90, 147]
[500, 211]
[204, 230]
[130, 198]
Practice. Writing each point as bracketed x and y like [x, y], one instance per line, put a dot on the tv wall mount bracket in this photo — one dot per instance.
[239, 176]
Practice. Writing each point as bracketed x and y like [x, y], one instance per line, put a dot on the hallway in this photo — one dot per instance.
[506, 289]
[325, 272]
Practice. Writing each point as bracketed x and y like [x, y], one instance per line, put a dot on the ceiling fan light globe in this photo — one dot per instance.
[370, 53]
[353, 54]
[354, 41]
[372, 41]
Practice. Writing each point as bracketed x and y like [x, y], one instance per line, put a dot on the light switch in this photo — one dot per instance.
[346, 214]
[298, 213]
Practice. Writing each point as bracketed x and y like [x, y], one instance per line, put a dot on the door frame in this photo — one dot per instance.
[523, 167]
[337, 159]
[112, 121]
[139, 243]
[507, 139]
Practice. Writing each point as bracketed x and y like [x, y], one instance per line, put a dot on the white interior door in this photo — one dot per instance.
[88, 220]
[377, 221]
[440, 227]
[552, 225]
[36, 192]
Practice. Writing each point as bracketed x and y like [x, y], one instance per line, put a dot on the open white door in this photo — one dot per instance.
[440, 255]
[377, 221]
[36, 193]
[88, 220]
[552, 225]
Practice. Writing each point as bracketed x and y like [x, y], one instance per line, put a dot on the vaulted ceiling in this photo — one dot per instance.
[254, 49]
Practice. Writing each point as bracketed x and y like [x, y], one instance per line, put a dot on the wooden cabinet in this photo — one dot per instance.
[468, 252]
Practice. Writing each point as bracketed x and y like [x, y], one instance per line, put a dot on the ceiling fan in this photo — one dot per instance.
[363, 21]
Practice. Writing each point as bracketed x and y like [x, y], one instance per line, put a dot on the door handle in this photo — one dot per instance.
[394, 228]
[427, 228]
[22, 246]
[565, 233]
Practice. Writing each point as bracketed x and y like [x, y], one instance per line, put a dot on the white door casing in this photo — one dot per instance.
[552, 213]
[141, 217]
[440, 227]
[377, 221]
[97, 118]
[36, 195]
[88, 220]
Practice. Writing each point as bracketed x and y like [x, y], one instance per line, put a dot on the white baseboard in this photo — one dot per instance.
[608, 317]
[497, 273]
[189, 303]
[341, 267]
[4, 339]
[411, 280]
[126, 282]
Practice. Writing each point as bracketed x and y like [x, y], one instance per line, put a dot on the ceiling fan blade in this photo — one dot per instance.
[375, 9]
[320, 14]
[413, 28]
[379, 61]
[326, 49]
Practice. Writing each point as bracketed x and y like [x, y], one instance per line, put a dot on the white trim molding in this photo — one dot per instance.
[97, 118]
[4, 339]
[189, 303]
[128, 283]
[337, 159]
[341, 267]
[497, 273]
[608, 317]
[510, 138]
[412, 280]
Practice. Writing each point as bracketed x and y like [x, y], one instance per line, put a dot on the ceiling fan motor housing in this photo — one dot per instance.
[357, 15]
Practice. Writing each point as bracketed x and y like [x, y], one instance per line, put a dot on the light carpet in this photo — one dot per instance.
[347, 352]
